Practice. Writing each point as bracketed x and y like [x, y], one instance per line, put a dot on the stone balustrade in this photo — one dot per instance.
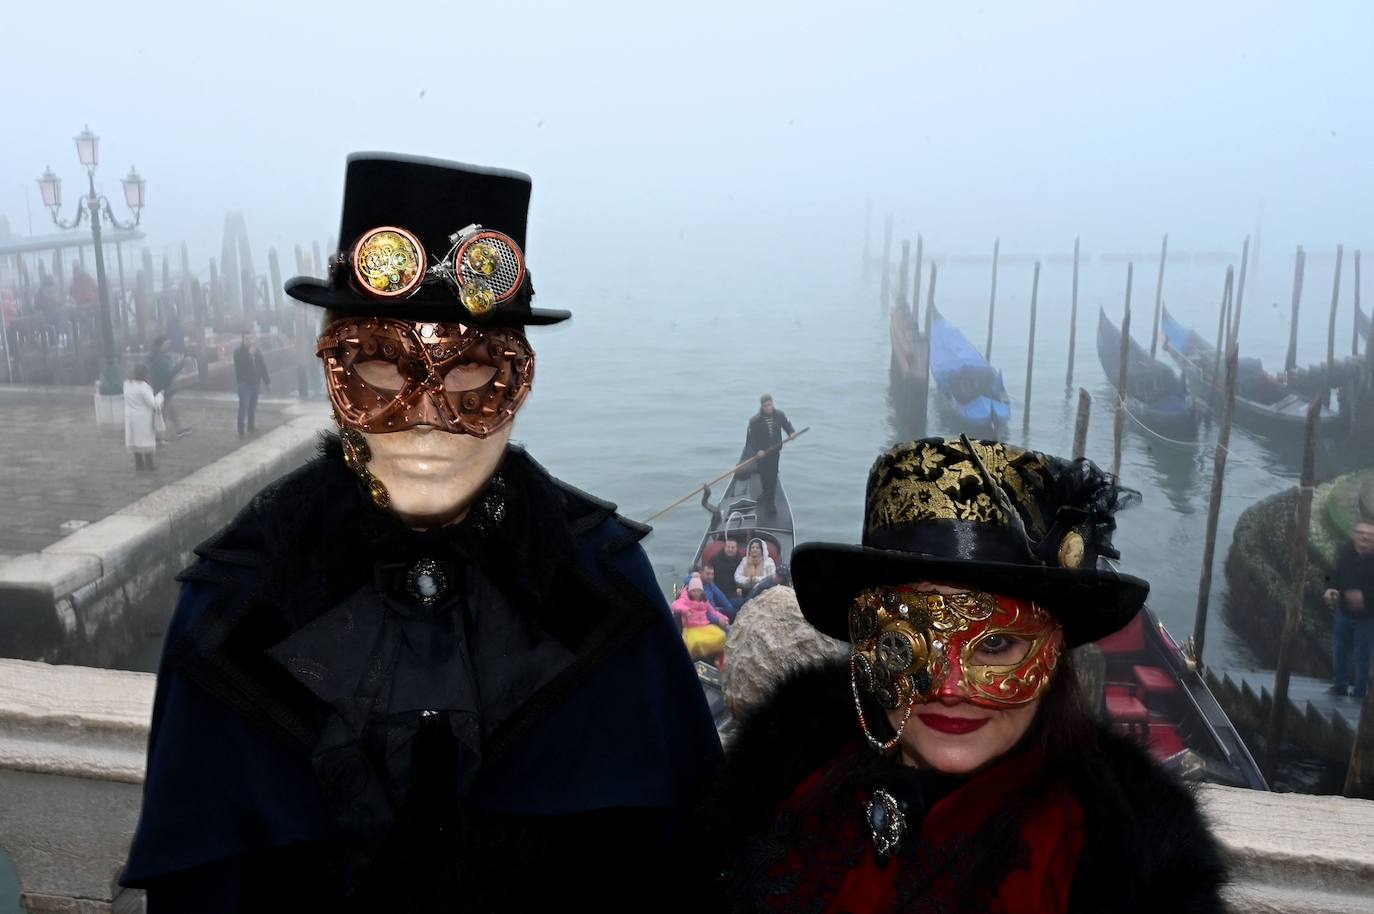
[71, 768]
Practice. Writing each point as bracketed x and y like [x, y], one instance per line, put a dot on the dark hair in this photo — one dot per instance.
[157, 343]
[140, 373]
[765, 398]
[244, 334]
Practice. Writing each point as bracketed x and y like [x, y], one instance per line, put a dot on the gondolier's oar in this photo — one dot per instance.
[735, 469]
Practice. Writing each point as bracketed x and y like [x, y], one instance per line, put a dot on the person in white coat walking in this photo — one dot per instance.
[141, 406]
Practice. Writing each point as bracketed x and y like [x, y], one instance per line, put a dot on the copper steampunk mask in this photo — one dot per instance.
[910, 647]
[385, 374]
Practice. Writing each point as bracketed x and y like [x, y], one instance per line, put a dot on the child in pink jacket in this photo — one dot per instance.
[704, 640]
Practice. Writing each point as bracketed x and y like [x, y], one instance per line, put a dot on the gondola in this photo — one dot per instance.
[739, 515]
[1153, 694]
[1264, 402]
[970, 391]
[1155, 395]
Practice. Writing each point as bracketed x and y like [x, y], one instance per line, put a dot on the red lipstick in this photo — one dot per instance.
[952, 724]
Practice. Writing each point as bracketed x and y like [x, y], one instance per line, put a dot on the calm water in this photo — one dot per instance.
[646, 394]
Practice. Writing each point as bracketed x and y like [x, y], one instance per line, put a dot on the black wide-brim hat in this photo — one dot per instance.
[432, 199]
[1004, 520]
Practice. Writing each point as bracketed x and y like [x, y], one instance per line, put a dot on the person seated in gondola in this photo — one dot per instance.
[756, 567]
[714, 595]
[703, 626]
[726, 563]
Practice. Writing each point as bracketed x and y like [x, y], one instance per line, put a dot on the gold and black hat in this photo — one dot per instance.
[430, 240]
[986, 514]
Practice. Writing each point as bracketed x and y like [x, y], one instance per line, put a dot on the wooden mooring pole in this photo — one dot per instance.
[868, 244]
[1240, 290]
[1223, 338]
[930, 299]
[916, 285]
[1331, 323]
[1357, 780]
[1159, 295]
[1209, 547]
[1299, 267]
[887, 258]
[1080, 426]
[1073, 318]
[1030, 356]
[1292, 616]
[901, 275]
[1355, 333]
[1119, 423]
[992, 298]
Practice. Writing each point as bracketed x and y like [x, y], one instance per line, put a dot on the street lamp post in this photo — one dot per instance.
[98, 208]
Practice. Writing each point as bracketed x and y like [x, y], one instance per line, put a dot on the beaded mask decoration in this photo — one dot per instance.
[486, 268]
[913, 646]
[385, 374]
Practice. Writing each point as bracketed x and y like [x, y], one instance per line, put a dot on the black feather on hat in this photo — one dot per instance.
[982, 514]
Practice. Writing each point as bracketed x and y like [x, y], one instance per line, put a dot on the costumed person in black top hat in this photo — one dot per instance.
[950, 764]
[762, 440]
[419, 673]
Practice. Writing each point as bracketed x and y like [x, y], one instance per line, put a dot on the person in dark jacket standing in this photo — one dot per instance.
[1351, 598]
[250, 371]
[420, 673]
[950, 764]
[162, 373]
[766, 431]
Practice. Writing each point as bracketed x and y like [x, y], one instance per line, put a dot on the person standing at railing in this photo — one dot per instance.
[1351, 598]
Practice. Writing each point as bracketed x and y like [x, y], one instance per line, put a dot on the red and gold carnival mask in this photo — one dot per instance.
[385, 374]
[911, 646]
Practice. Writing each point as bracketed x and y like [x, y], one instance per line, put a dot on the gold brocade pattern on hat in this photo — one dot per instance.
[939, 481]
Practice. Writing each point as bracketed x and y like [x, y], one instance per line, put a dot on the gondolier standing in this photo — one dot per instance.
[765, 431]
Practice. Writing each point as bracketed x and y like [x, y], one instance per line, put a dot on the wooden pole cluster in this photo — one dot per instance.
[1159, 295]
[1030, 355]
[1292, 617]
[1209, 547]
[1073, 318]
[1080, 426]
[1299, 268]
[1119, 424]
[992, 298]
[1331, 323]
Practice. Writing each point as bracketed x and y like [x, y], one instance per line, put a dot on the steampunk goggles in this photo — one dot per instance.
[484, 267]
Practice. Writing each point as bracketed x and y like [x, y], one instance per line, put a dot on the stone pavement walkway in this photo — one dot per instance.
[59, 466]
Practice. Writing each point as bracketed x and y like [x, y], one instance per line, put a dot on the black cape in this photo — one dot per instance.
[295, 762]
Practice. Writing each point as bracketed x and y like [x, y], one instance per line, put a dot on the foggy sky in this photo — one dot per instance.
[720, 141]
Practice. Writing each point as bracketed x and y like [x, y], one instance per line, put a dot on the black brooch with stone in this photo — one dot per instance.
[886, 824]
[426, 582]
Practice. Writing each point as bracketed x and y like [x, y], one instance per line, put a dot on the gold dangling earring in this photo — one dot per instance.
[356, 456]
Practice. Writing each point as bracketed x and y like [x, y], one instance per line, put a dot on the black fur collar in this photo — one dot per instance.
[1147, 847]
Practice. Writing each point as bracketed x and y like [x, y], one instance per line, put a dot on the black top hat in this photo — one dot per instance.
[431, 199]
[985, 514]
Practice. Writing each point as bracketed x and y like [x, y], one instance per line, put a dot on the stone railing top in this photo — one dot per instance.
[74, 721]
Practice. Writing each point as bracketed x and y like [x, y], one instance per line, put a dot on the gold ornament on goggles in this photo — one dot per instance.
[906, 644]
